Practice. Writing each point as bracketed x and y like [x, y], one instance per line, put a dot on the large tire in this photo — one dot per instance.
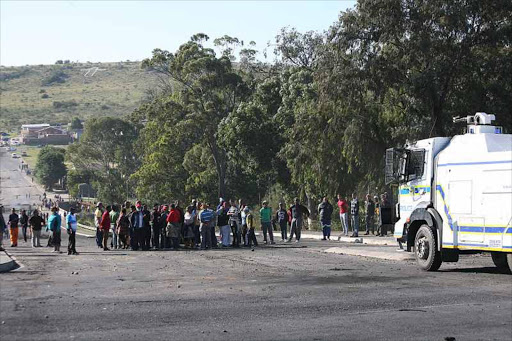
[502, 260]
[425, 249]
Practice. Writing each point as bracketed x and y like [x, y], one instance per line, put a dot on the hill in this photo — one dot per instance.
[56, 93]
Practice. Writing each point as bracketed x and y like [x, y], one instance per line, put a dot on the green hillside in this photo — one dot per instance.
[56, 93]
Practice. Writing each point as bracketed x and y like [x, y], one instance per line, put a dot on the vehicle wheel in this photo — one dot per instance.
[502, 260]
[425, 249]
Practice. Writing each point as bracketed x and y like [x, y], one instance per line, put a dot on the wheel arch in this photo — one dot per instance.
[420, 216]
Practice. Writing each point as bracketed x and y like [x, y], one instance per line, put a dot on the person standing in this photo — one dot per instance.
[114, 216]
[249, 219]
[147, 228]
[174, 227]
[24, 224]
[137, 227]
[369, 206]
[105, 227]
[123, 229]
[54, 224]
[195, 210]
[385, 214]
[3, 227]
[297, 212]
[98, 214]
[206, 217]
[343, 206]
[188, 222]
[13, 227]
[377, 213]
[325, 213]
[164, 243]
[223, 224]
[71, 225]
[354, 215]
[155, 227]
[233, 213]
[281, 219]
[266, 222]
[36, 225]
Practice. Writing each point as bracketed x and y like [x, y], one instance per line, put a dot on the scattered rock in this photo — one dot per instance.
[46, 316]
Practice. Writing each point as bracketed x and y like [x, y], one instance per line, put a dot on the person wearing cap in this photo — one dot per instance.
[281, 219]
[266, 222]
[297, 212]
[206, 217]
[13, 227]
[97, 219]
[71, 225]
[105, 227]
[54, 225]
[369, 206]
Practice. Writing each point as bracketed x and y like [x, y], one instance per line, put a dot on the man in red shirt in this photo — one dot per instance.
[105, 227]
[343, 206]
[173, 228]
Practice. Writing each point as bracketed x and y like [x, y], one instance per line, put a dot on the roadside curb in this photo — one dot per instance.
[6, 266]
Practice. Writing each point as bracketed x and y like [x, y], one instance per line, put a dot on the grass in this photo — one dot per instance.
[115, 90]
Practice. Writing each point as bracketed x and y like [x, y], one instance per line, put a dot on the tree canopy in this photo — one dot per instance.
[317, 120]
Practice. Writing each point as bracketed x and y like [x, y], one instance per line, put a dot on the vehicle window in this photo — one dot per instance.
[416, 164]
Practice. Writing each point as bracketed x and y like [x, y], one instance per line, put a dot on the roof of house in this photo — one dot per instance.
[42, 131]
[34, 126]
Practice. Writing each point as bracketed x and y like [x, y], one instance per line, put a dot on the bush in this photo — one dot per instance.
[57, 77]
[45, 96]
[64, 104]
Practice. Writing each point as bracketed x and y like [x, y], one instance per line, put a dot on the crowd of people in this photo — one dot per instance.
[170, 226]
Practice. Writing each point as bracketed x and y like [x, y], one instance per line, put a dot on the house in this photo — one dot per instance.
[42, 134]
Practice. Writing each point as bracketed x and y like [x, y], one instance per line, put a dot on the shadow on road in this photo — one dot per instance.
[485, 270]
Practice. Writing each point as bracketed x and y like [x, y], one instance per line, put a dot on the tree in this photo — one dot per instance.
[50, 167]
[76, 123]
[106, 150]
[208, 88]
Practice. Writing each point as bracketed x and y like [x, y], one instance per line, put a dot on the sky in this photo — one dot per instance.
[42, 32]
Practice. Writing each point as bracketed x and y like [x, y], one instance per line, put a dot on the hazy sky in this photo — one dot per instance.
[42, 32]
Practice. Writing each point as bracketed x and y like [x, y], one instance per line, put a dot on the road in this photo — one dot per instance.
[14, 186]
[281, 292]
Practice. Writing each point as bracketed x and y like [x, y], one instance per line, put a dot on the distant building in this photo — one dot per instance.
[43, 134]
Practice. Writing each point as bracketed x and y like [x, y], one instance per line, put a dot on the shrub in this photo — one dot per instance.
[58, 76]
[64, 104]
[45, 96]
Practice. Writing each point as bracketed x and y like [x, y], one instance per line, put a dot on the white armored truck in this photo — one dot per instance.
[455, 194]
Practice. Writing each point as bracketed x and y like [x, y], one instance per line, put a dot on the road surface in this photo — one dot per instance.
[282, 292]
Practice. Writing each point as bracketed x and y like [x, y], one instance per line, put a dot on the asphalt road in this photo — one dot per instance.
[14, 186]
[282, 292]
